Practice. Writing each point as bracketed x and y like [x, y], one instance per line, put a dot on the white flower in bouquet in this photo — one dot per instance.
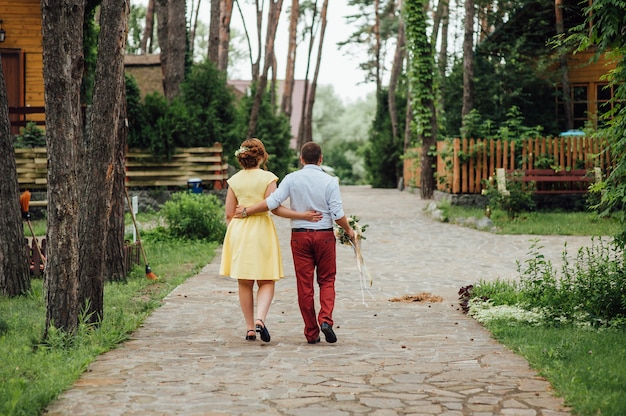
[353, 221]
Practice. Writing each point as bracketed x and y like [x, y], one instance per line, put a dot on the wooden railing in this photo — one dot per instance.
[37, 264]
[464, 164]
[142, 169]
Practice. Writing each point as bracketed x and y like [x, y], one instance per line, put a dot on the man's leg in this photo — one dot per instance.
[325, 254]
[304, 266]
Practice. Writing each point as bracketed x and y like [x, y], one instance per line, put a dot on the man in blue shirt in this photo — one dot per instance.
[313, 244]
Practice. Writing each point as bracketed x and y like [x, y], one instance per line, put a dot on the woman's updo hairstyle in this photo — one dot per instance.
[250, 153]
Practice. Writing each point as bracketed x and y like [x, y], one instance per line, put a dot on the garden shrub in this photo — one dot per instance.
[31, 136]
[519, 198]
[195, 216]
[591, 289]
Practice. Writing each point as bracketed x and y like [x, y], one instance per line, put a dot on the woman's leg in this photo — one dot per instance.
[246, 301]
[264, 298]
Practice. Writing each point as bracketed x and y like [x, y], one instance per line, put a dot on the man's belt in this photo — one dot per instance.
[308, 230]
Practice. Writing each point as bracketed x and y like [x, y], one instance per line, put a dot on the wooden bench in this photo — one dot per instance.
[549, 181]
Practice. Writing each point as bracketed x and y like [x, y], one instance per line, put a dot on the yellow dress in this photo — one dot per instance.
[251, 250]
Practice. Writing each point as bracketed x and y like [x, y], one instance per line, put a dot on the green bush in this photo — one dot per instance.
[31, 136]
[591, 289]
[519, 198]
[195, 216]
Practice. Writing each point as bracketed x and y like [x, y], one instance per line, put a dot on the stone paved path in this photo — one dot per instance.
[392, 358]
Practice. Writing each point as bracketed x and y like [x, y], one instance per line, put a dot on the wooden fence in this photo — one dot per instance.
[464, 164]
[131, 256]
[142, 169]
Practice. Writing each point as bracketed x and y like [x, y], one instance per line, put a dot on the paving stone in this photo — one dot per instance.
[392, 358]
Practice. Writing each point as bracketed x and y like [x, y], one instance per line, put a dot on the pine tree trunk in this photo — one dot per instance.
[14, 275]
[226, 11]
[396, 70]
[270, 37]
[99, 163]
[311, 96]
[565, 84]
[148, 29]
[214, 33]
[115, 260]
[63, 66]
[172, 32]
[286, 105]
[468, 60]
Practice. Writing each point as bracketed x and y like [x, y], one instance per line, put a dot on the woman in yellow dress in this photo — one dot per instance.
[251, 251]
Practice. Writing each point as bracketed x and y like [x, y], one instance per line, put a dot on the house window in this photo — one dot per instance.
[580, 105]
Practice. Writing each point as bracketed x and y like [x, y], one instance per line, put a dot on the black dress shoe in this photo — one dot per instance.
[262, 330]
[314, 341]
[329, 333]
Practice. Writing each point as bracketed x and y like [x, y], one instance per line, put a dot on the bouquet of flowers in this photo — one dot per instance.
[343, 238]
[353, 221]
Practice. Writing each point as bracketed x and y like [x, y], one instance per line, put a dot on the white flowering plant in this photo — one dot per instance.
[353, 221]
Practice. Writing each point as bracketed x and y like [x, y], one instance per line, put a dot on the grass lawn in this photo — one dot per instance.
[32, 373]
[585, 365]
[541, 222]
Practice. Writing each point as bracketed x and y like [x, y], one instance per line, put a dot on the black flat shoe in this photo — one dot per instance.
[329, 333]
[314, 341]
[262, 330]
[250, 337]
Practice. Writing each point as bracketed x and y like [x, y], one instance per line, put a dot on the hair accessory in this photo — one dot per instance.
[241, 150]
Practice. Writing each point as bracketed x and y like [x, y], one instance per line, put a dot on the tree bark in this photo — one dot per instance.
[468, 60]
[63, 65]
[566, 89]
[311, 96]
[172, 32]
[226, 12]
[270, 37]
[286, 105]
[214, 33]
[193, 26]
[302, 130]
[148, 31]
[115, 266]
[396, 71]
[100, 145]
[14, 274]
[377, 45]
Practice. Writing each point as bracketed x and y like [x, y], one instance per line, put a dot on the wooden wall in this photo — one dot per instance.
[21, 20]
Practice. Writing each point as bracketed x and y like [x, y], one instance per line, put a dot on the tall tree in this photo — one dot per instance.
[568, 109]
[396, 71]
[270, 37]
[301, 139]
[421, 82]
[147, 39]
[310, 98]
[14, 276]
[468, 59]
[63, 65]
[193, 25]
[226, 11]
[172, 33]
[99, 163]
[286, 104]
[214, 32]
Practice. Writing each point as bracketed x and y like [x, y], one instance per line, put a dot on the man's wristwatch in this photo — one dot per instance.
[244, 214]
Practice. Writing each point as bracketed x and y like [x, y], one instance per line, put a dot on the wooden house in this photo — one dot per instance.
[22, 60]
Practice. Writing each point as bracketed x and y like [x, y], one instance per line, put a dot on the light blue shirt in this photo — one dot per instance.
[310, 188]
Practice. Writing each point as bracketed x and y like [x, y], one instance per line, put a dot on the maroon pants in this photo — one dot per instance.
[315, 250]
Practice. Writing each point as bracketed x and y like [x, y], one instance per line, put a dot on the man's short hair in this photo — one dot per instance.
[311, 153]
